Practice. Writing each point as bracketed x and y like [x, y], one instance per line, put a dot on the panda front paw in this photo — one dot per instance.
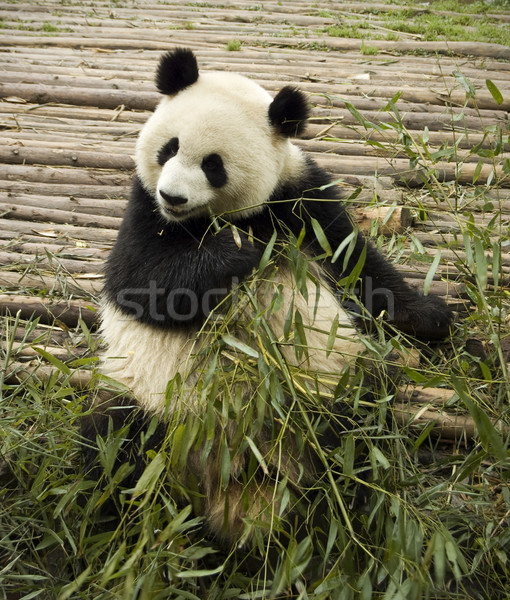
[239, 254]
[428, 318]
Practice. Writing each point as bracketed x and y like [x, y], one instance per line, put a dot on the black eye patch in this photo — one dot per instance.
[168, 151]
[214, 169]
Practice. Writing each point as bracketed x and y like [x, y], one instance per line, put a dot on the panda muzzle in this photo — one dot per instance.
[173, 201]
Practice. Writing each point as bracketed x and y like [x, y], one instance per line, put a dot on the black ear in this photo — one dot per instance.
[288, 111]
[176, 70]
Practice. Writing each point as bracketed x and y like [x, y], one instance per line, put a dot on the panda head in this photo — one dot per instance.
[217, 142]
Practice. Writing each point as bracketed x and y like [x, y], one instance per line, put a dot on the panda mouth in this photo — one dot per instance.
[180, 214]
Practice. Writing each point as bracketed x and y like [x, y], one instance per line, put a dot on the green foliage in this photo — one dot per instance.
[368, 50]
[233, 45]
[449, 20]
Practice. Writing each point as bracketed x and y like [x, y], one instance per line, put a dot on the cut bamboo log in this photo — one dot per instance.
[81, 286]
[20, 372]
[27, 351]
[67, 312]
[64, 175]
[150, 42]
[72, 204]
[51, 231]
[34, 156]
[389, 219]
[51, 215]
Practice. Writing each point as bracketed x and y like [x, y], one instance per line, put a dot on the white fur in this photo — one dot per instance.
[146, 358]
[221, 113]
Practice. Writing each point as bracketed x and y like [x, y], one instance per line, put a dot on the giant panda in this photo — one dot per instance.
[223, 206]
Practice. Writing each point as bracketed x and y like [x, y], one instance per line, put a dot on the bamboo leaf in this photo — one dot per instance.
[257, 454]
[150, 476]
[480, 263]
[53, 360]
[495, 93]
[199, 573]
[490, 438]
[321, 237]
[332, 335]
[267, 252]
[224, 454]
[431, 272]
[230, 340]
[350, 240]
[478, 170]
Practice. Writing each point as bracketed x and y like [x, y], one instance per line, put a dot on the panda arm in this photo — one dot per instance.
[382, 286]
[173, 274]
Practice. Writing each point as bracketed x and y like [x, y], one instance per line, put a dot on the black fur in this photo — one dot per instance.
[214, 169]
[168, 151]
[288, 111]
[176, 71]
[173, 274]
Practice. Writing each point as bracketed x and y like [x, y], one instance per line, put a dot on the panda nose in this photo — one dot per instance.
[173, 200]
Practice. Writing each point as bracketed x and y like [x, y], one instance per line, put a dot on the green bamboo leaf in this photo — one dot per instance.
[353, 276]
[348, 455]
[267, 252]
[439, 556]
[496, 263]
[224, 453]
[379, 457]
[300, 343]
[173, 592]
[257, 454]
[350, 240]
[54, 361]
[301, 237]
[466, 84]
[321, 237]
[478, 170]
[490, 438]
[332, 537]
[332, 336]
[230, 340]
[480, 263]
[431, 272]
[199, 573]
[357, 115]
[495, 93]
[150, 476]
[69, 589]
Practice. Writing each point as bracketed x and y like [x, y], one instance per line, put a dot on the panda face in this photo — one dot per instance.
[211, 148]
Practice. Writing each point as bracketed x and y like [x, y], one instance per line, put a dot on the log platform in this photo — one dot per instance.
[76, 85]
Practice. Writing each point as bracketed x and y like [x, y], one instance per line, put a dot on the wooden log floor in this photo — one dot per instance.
[76, 86]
